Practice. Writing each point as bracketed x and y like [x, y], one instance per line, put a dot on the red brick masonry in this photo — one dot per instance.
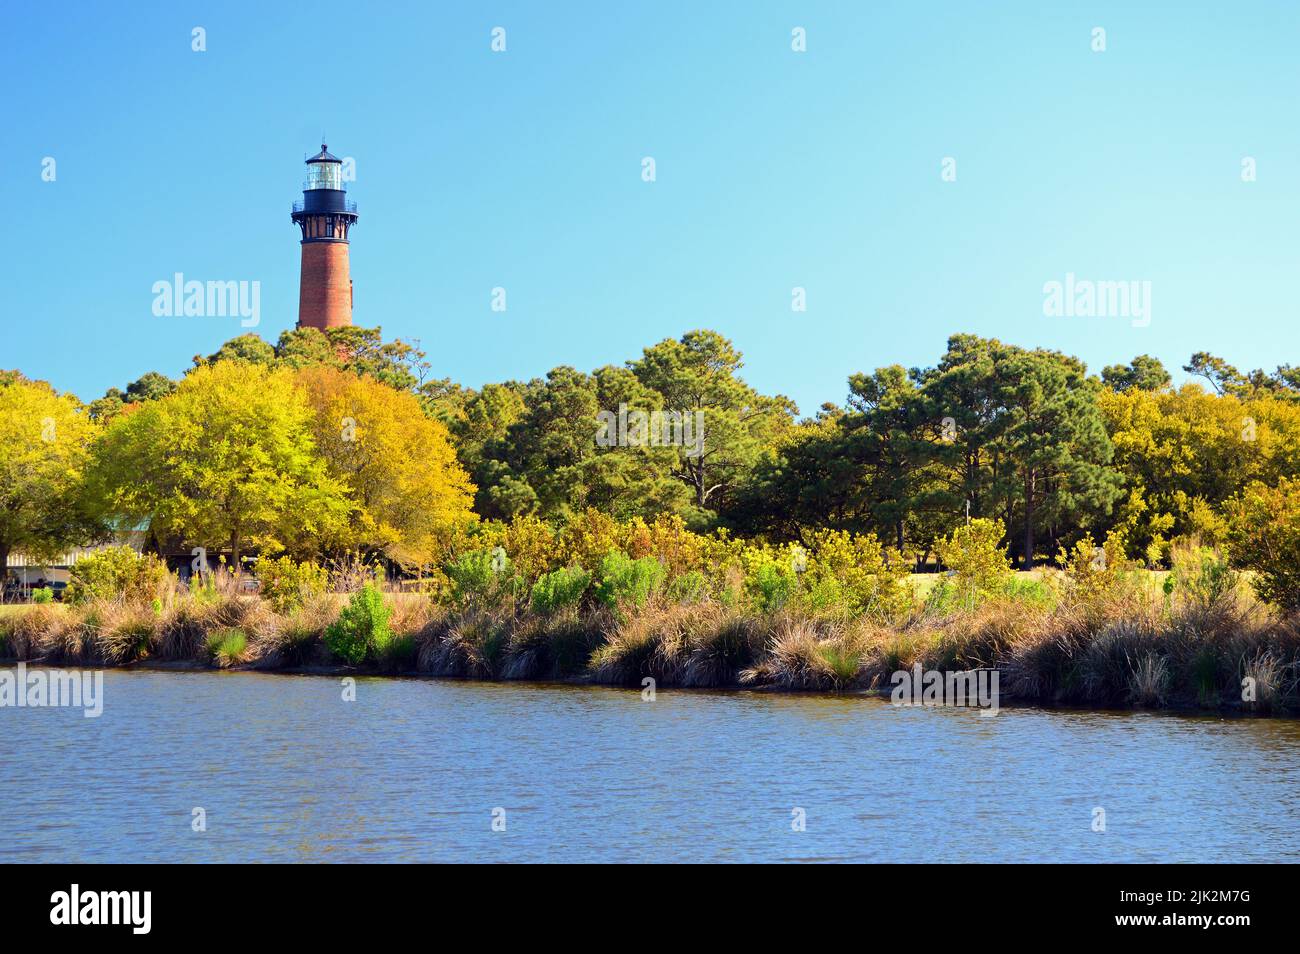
[325, 292]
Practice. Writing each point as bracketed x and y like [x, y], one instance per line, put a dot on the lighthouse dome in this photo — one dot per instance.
[324, 171]
[324, 155]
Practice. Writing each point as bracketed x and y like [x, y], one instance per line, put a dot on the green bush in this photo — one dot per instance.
[771, 585]
[690, 587]
[628, 582]
[362, 627]
[116, 573]
[482, 577]
[560, 588]
[288, 585]
[43, 594]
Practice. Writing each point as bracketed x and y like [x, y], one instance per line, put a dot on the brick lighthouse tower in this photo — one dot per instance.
[325, 216]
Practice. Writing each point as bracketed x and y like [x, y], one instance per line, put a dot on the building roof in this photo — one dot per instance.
[324, 155]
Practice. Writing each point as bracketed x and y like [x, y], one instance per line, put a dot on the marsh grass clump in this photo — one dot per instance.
[1264, 681]
[804, 654]
[183, 631]
[469, 645]
[125, 633]
[1035, 665]
[227, 646]
[396, 652]
[1108, 663]
[1148, 681]
[412, 612]
[299, 639]
[657, 642]
[556, 646]
[31, 628]
[722, 645]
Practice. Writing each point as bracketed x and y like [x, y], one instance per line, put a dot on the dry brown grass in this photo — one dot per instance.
[1124, 646]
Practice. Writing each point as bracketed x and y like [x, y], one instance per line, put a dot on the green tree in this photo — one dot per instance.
[699, 373]
[547, 461]
[251, 348]
[149, 387]
[399, 364]
[1143, 373]
[1057, 441]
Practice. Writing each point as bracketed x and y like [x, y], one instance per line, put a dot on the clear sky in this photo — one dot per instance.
[775, 169]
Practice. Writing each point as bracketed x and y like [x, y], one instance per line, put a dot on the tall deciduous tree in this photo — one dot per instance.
[44, 439]
[410, 492]
[227, 460]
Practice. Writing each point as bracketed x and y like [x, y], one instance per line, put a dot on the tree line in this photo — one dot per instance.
[331, 442]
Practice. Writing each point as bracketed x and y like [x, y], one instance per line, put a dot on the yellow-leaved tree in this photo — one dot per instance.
[397, 463]
[226, 461]
[43, 451]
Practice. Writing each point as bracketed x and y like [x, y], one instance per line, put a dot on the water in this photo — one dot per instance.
[412, 770]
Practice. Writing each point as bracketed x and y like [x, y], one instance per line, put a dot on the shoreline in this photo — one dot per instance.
[1223, 710]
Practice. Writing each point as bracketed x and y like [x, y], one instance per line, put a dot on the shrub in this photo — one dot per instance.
[560, 588]
[589, 537]
[688, 588]
[772, 576]
[1200, 574]
[1264, 529]
[847, 575]
[628, 582]
[362, 626]
[482, 577]
[1094, 574]
[532, 546]
[43, 594]
[975, 556]
[288, 585]
[771, 586]
[116, 573]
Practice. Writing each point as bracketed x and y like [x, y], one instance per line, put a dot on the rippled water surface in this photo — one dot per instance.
[413, 769]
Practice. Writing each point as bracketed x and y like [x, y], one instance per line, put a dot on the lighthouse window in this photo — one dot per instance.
[324, 175]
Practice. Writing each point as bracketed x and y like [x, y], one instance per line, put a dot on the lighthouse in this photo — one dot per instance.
[326, 216]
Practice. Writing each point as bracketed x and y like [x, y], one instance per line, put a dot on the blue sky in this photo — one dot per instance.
[775, 169]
